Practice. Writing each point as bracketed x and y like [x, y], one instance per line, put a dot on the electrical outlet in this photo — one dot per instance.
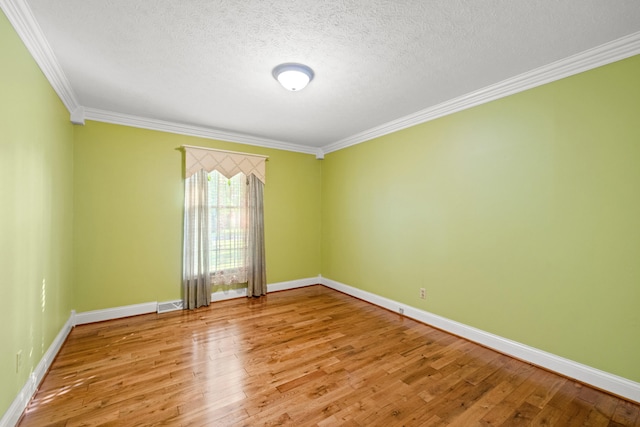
[18, 361]
[423, 293]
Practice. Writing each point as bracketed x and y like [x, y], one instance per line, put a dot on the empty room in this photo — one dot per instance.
[358, 213]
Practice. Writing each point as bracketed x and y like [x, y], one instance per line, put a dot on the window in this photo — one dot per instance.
[223, 223]
[228, 225]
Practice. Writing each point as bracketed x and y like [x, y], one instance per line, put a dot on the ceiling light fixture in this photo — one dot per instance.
[292, 76]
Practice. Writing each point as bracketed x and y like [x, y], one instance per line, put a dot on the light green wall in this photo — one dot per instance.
[520, 217]
[128, 214]
[36, 199]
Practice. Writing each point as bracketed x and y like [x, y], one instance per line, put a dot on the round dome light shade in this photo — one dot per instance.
[293, 77]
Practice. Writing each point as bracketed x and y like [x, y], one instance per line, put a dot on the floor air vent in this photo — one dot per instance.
[164, 307]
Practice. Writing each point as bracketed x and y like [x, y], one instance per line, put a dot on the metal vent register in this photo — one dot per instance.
[164, 307]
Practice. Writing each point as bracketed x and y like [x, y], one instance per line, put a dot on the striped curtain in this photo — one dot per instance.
[196, 276]
[256, 265]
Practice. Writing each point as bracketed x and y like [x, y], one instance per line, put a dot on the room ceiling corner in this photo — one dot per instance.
[204, 67]
[21, 17]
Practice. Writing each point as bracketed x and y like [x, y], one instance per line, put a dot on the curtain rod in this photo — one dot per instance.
[224, 151]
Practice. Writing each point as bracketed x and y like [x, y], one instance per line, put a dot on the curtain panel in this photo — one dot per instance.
[196, 279]
[256, 266]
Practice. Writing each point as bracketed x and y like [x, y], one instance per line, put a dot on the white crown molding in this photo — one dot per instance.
[14, 412]
[607, 53]
[77, 116]
[599, 379]
[19, 14]
[183, 129]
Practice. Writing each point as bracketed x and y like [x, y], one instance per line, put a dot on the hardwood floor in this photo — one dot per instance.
[304, 357]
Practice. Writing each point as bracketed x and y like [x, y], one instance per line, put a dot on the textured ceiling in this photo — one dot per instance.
[208, 63]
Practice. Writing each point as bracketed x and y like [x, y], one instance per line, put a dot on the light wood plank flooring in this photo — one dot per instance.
[304, 357]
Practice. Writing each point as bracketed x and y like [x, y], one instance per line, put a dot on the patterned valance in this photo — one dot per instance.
[228, 163]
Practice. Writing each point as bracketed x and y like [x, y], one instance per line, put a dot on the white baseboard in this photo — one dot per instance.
[586, 374]
[115, 313]
[12, 416]
[271, 287]
[228, 294]
[602, 380]
[152, 307]
[292, 284]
